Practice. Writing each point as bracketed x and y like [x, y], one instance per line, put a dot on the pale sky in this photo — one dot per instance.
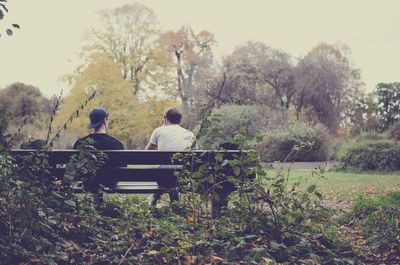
[51, 34]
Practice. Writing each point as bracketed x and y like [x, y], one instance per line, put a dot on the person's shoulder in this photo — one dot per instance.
[186, 130]
[160, 129]
[83, 138]
[115, 141]
[112, 138]
[80, 141]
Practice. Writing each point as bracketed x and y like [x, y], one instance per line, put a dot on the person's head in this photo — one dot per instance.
[98, 119]
[172, 116]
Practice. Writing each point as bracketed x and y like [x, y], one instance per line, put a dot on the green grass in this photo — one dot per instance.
[348, 186]
[341, 185]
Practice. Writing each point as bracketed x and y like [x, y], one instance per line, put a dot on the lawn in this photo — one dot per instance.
[346, 186]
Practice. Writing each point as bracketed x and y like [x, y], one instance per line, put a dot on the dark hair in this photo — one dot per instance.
[173, 115]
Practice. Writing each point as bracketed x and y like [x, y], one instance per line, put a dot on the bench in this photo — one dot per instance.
[140, 170]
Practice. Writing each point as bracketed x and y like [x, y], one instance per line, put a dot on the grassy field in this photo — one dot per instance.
[339, 185]
[347, 186]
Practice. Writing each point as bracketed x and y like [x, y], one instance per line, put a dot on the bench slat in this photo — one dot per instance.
[118, 160]
[130, 157]
[131, 174]
[128, 188]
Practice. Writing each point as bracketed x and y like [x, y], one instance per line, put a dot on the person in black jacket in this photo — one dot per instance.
[101, 141]
[99, 123]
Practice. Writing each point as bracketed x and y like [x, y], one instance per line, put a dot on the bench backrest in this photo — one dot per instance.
[59, 158]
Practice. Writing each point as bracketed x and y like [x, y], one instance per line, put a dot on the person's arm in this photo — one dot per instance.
[192, 141]
[152, 145]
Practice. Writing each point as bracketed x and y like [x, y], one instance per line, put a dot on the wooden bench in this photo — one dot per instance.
[141, 168]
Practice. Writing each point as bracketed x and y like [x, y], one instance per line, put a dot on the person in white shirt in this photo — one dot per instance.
[170, 137]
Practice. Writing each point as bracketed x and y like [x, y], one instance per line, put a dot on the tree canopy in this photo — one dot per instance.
[29, 111]
[130, 120]
[389, 103]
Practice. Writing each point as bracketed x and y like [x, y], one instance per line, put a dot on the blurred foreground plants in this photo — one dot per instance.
[43, 222]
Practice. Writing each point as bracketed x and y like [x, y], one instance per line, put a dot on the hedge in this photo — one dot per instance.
[380, 155]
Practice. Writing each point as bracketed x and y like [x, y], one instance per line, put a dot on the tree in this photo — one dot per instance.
[327, 85]
[191, 55]
[29, 110]
[24, 100]
[130, 120]
[258, 74]
[388, 95]
[241, 68]
[277, 71]
[363, 116]
[127, 36]
[306, 77]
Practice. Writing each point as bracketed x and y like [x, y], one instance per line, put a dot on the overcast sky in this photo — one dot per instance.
[51, 32]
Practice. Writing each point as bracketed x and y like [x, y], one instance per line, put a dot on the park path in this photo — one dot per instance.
[304, 165]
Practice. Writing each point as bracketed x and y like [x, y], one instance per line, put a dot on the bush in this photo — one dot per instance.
[341, 146]
[367, 155]
[43, 222]
[369, 135]
[377, 217]
[394, 131]
[297, 142]
[228, 121]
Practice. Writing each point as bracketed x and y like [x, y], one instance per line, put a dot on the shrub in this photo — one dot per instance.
[367, 155]
[394, 131]
[341, 146]
[297, 142]
[369, 135]
[229, 120]
[377, 217]
[42, 222]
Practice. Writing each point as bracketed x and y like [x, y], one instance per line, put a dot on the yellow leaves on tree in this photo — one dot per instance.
[130, 120]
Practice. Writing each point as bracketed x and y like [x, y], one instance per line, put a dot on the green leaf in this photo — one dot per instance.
[16, 26]
[311, 188]
[210, 179]
[219, 157]
[51, 262]
[57, 195]
[236, 171]
[70, 203]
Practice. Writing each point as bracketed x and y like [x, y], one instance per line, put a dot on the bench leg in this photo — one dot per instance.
[173, 196]
[155, 198]
[219, 203]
